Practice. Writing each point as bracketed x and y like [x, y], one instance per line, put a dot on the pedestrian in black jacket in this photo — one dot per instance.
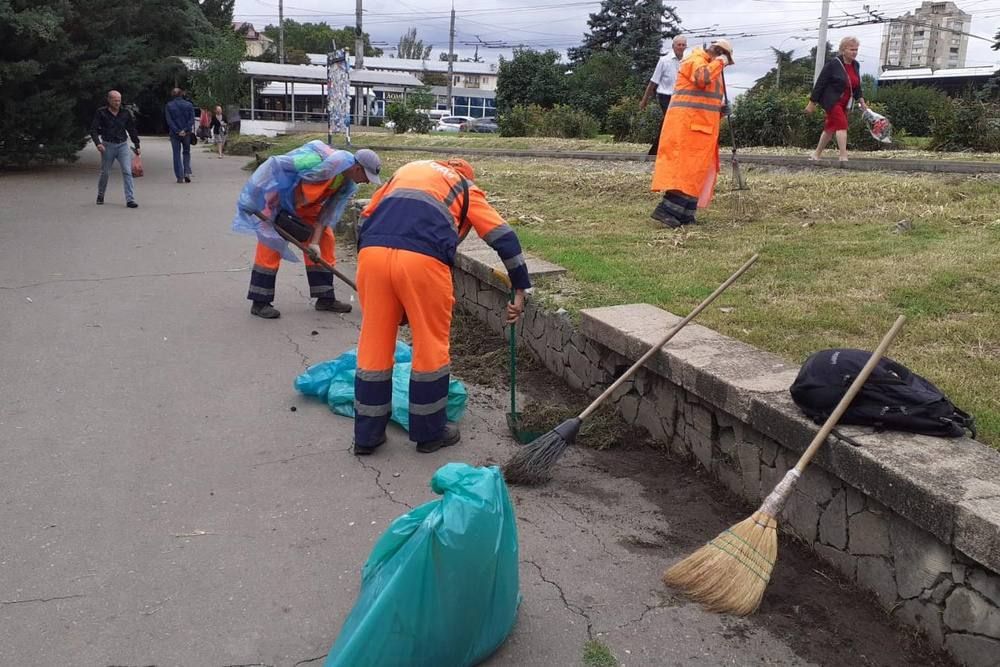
[836, 89]
[110, 131]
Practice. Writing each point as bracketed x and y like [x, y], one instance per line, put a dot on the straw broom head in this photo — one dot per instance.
[730, 573]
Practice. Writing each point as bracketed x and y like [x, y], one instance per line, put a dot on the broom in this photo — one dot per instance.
[743, 205]
[730, 573]
[532, 463]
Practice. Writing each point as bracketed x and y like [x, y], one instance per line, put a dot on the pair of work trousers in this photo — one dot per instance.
[664, 101]
[391, 282]
[265, 271]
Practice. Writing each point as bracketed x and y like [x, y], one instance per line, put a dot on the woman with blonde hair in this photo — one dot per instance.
[220, 129]
[836, 89]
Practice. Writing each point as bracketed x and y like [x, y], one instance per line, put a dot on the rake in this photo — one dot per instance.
[730, 573]
[743, 205]
[532, 464]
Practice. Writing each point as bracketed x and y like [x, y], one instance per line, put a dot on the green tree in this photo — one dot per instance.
[796, 74]
[531, 77]
[430, 78]
[218, 78]
[316, 38]
[58, 59]
[411, 47]
[599, 82]
[218, 12]
[634, 27]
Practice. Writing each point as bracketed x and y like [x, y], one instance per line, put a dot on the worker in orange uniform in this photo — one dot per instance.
[406, 246]
[315, 181]
[687, 161]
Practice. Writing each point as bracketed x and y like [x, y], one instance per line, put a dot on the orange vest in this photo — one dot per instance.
[310, 197]
[688, 156]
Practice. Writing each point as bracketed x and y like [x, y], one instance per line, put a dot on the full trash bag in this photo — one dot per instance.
[333, 381]
[440, 588]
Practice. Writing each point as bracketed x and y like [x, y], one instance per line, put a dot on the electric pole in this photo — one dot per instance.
[359, 62]
[821, 44]
[281, 31]
[451, 55]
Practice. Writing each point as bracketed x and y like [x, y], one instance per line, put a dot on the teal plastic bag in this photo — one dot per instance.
[440, 588]
[333, 381]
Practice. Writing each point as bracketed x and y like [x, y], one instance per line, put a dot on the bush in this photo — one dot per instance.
[561, 121]
[911, 108]
[967, 124]
[407, 118]
[521, 121]
[569, 123]
[626, 122]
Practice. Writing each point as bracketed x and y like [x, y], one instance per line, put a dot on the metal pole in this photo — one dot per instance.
[821, 44]
[451, 57]
[777, 80]
[281, 31]
[293, 103]
[359, 59]
[252, 103]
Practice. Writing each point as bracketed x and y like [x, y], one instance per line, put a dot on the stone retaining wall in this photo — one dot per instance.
[915, 520]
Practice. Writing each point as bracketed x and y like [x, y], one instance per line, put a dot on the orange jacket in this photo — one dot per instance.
[420, 209]
[310, 197]
[688, 157]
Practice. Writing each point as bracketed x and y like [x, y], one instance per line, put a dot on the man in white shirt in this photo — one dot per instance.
[662, 81]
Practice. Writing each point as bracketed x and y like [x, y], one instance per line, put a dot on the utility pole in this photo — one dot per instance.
[821, 44]
[451, 55]
[359, 61]
[281, 31]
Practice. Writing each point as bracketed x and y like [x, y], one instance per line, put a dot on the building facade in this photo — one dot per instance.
[257, 42]
[929, 37]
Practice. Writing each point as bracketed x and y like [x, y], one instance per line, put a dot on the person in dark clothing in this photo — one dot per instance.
[220, 129]
[838, 86]
[110, 131]
[179, 114]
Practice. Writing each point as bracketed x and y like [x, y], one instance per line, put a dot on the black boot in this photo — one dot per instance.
[265, 310]
[332, 305]
[450, 437]
[365, 451]
[662, 214]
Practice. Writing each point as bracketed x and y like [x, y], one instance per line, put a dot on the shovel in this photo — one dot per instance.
[514, 421]
[313, 256]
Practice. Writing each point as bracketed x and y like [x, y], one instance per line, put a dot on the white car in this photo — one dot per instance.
[453, 124]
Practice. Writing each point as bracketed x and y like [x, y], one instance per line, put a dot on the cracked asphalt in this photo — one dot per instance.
[163, 505]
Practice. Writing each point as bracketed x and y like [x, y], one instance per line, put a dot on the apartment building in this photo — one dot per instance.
[930, 36]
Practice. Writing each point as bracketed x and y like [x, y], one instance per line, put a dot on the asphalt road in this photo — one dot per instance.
[163, 505]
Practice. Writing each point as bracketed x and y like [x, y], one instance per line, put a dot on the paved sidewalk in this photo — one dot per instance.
[164, 505]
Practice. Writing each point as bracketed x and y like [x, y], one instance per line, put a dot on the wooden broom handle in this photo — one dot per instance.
[673, 332]
[313, 257]
[852, 391]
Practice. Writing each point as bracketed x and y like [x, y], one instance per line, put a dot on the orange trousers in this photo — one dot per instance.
[267, 261]
[390, 282]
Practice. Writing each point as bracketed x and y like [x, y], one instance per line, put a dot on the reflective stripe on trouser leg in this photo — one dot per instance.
[381, 312]
[320, 279]
[265, 271]
[424, 287]
[681, 206]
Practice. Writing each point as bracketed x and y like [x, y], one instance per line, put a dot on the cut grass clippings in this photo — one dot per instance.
[837, 263]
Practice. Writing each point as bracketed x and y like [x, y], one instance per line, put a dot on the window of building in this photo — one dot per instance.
[471, 80]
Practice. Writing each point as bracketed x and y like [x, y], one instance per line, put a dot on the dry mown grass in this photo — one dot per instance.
[836, 266]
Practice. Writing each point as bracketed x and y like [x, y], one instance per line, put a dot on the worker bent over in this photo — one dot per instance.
[687, 161]
[406, 245]
[315, 183]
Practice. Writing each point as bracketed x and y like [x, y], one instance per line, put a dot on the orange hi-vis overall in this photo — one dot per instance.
[687, 161]
[309, 200]
[407, 240]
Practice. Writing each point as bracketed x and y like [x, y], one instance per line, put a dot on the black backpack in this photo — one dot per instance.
[893, 397]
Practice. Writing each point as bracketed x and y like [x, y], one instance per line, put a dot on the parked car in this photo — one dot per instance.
[484, 125]
[452, 123]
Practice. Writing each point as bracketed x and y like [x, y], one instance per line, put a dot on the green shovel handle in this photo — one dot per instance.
[513, 361]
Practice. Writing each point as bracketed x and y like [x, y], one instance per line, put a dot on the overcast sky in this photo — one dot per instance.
[752, 25]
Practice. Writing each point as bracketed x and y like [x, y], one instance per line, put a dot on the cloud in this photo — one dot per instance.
[753, 25]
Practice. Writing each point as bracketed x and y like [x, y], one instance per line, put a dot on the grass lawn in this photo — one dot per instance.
[835, 268]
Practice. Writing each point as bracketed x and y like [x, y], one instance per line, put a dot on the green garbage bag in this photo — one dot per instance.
[333, 382]
[440, 588]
